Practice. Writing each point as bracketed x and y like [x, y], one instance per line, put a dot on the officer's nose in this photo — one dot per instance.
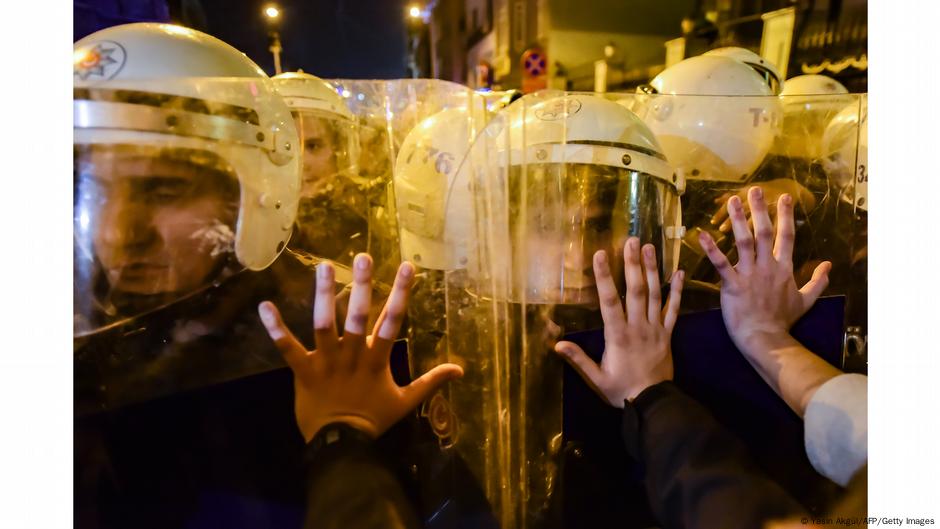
[579, 264]
[127, 226]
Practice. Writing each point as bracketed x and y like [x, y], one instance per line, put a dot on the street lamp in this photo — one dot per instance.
[272, 14]
[416, 31]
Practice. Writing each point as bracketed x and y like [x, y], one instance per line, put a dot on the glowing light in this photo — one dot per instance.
[83, 220]
[272, 12]
[414, 11]
[176, 30]
[81, 55]
[360, 97]
[346, 93]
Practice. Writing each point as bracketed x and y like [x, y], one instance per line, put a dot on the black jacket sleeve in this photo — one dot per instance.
[349, 486]
[698, 475]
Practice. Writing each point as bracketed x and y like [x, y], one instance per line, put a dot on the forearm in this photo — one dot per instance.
[790, 369]
[697, 474]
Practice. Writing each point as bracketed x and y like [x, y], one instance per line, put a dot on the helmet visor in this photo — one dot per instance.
[152, 224]
[560, 215]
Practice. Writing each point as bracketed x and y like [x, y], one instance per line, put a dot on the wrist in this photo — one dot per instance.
[336, 439]
[760, 342]
[361, 424]
[633, 392]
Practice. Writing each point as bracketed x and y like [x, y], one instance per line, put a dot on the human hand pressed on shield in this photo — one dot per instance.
[772, 191]
[348, 379]
[760, 300]
[637, 351]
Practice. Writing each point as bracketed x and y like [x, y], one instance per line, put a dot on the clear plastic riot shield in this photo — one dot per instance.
[350, 140]
[803, 145]
[550, 180]
[385, 112]
[539, 192]
[845, 158]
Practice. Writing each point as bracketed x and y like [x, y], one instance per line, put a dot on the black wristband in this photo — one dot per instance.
[631, 420]
[336, 434]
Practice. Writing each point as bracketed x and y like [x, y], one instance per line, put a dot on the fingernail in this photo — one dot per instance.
[648, 251]
[362, 261]
[758, 192]
[787, 199]
[407, 270]
[323, 270]
[634, 243]
[602, 257]
[735, 203]
[267, 316]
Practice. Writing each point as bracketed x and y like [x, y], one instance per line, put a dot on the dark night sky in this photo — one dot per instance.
[358, 39]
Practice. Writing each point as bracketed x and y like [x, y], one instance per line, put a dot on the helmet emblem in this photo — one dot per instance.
[558, 109]
[104, 60]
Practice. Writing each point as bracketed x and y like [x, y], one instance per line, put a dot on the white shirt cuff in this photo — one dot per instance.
[836, 427]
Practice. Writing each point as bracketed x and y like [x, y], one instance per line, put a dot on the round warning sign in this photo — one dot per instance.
[534, 63]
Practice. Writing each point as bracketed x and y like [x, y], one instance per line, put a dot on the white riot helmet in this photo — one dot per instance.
[186, 168]
[809, 103]
[764, 68]
[812, 85]
[584, 173]
[426, 186]
[845, 152]
[326, 125]
[723, 138]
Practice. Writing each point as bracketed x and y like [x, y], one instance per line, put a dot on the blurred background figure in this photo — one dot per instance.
[333, 210]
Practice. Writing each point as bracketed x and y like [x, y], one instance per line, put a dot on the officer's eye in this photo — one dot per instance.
[162, 190]
[313, 145]
[600, 224]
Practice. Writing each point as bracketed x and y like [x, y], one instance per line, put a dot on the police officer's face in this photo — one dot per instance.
[319, 156]
[161, 226]
[562, 259]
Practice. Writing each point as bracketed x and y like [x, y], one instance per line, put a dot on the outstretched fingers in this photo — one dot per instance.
[581, 362]
[816, 285]
[424, 386]
[393, 314]
[652, 281]
[357, 313]
[743, 238]
[636, 284]
[763, 227]
[608, 297]
[295, 354]
[671, 312]
[717, 258]
[786, 230]
[324, 310]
